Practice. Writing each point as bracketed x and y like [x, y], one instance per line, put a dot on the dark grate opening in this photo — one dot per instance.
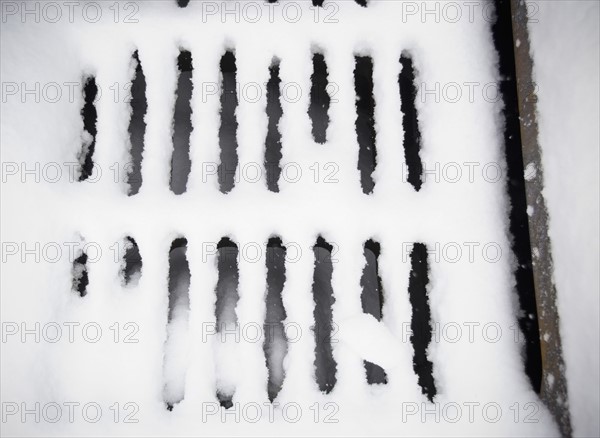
[90, 117]
[273, 141]
[275, 343]
[182, 125]
[372, 302]
[421, 319]
[319, 99]
[132, 269]
[137, 126]
[80, 275]
[410, 122]
[229, 124]
[227, 285]
[365, 121]
[227, 299]
[179, 308]
[325, 366]
[226, 401]
[519, 228]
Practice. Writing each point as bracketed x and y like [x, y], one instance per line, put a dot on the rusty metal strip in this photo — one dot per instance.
[554, 384]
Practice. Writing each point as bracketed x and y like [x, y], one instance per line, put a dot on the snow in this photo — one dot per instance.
[479, 376]
[565, 44]
[530, 171]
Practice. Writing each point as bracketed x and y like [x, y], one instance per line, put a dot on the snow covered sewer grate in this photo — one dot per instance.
[282, 218]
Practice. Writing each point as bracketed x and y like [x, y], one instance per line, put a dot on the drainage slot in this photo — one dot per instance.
[275, 345]
[229, 124]
[519, 228]
[177, 325]
[410, 122]
[90, 116]
[226, 401]
[80, 275]
[227, 321]
[180, 163]
[132, 268]
[137, 126]
[365, 122]
[319, 99]
[421, 319]
[372, 302]
[273, 141]
[325, 366]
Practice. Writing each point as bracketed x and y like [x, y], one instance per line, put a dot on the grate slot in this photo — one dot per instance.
[365, 121]
[372, 302]
[137, 126]
[325, 366]
[519, 220]
[225, 311]
[80, 275]
[90, 117]
[319, 99]
[132, 266]
[180, 162]
[275, 343]
[177, 323]
[410, 121]
[229, 124]
[273, 141]
[421, 319]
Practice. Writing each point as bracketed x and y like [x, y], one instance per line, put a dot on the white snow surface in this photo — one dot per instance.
[565, 48]
[484, 380]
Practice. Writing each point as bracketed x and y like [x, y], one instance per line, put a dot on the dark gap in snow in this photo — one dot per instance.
[229, 124]
[225, 307]
[182, 125]
[317, 2]
[80, 274]
[410, 121]
[365, 121]
[275, 344]
[325, 366]
[179, 308]
[182, 3]
[137, 126]
[90, 117]
[132, 269]
[227, 284]
[363, 3]
[319, 99]
[226, 401]
[421, 319]
[372, 302]
[519, 228]
[273, 140]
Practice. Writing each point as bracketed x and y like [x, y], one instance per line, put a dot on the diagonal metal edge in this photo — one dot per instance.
[554, 384]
